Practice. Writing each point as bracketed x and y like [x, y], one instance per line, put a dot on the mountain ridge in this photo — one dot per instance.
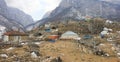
[79, 9]
[94, 8]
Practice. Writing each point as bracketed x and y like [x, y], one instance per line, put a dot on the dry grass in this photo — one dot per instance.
[70, 52]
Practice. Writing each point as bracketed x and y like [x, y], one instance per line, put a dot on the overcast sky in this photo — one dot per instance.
[35, 8]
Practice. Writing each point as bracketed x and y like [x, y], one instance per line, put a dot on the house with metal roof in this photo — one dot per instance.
[15, 36]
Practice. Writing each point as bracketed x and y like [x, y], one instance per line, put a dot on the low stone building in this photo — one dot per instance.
[15, 36]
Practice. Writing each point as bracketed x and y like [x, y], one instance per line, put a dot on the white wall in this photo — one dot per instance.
[6, 38]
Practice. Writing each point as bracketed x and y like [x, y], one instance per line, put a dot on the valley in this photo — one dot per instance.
[75, 31]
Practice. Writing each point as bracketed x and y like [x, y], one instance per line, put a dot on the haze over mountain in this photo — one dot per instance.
[13, 17]
[35, 8]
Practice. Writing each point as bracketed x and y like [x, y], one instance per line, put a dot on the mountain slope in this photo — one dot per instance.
[19, 16]
[79, 9]
[93, 8]
[113, 1]
[15, 14]
[10, 24]
[47, 14]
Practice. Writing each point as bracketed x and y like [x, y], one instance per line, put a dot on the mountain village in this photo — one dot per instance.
[92, 40]
[74, 31]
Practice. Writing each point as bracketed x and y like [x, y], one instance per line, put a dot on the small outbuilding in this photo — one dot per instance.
[53, 37]
[69, 35]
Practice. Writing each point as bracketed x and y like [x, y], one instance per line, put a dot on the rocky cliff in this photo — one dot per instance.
[80, 8]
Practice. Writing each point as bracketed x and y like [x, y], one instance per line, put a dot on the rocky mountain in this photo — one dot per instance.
[79, 9]
[19, 16]
[13, 17]
[10, 24]
[113, 1]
